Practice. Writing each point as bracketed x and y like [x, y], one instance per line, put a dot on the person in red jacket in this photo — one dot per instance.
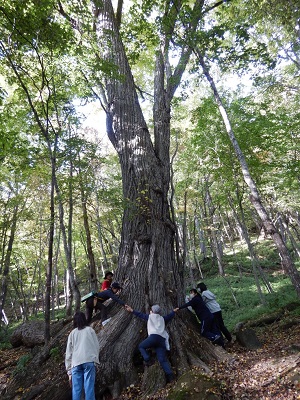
[107, 280]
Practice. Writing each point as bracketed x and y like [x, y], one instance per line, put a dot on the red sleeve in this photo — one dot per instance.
[105, 285]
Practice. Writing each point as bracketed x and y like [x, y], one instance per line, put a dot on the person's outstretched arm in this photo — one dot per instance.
[137, 313]
[185, 305]
[169, 316]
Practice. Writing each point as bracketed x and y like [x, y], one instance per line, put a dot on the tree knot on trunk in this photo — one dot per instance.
[144, 239]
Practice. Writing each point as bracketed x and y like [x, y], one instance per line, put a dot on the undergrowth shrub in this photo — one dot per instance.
[21, 365]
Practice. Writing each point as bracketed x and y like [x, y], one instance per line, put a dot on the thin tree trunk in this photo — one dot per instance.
[184, 237]
[194, 249]
[243, 228]
[173, 218]
[201, 238]
[7, 258]
[213, 231]
[89, 247]
[255, 197]
[231, 290]
[70, 286]
[105, 265]
[231, 239]
[55, 288]
[67, 251]
[37, 282]
[50, 246]
[290, 235]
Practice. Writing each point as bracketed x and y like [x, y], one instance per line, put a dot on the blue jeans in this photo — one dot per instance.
[83, 376]
[159, 344]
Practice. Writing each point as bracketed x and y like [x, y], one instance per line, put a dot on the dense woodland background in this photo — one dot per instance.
[229, 92]
[254, 58]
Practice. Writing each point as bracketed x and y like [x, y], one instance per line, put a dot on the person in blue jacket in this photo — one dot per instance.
[97, 301]
[157, 339]
[206, 318]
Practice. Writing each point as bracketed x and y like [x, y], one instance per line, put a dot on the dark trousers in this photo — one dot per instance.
[158, 343]
[209, 328]
[220, 324]
[89, 308]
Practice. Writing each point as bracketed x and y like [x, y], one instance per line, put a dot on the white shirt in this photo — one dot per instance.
[82, 347]
[156, 326]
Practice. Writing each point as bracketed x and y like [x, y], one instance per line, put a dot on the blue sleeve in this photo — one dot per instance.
[188, 304]
[108, 294]
[116, 299]
[141, 315]
[168, 317]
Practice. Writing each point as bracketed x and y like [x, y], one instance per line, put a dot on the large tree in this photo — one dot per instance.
[147, 266]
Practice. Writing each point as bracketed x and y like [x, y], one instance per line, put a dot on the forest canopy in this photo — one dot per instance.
[199, 152]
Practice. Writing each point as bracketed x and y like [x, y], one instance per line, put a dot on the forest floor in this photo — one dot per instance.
[271, 372]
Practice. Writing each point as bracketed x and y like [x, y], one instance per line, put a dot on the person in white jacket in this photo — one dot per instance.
[82, 353]
[214, 307]
[158, 338]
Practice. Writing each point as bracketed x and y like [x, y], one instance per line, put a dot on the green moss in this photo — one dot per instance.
[22, 363]
[197, 386]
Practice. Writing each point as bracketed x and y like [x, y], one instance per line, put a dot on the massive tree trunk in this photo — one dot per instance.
[147, 267]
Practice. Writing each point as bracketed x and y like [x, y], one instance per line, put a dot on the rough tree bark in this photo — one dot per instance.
[147, 266]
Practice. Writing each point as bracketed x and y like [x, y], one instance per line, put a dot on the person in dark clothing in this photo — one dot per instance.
[97, 301]
[214, 307]
[208, 326]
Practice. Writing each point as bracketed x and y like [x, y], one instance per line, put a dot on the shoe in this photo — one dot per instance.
[170, 378]
[217, 337]
[106, 321]
[149, 363]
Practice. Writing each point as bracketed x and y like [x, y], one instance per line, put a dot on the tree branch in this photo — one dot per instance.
[119, 13]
